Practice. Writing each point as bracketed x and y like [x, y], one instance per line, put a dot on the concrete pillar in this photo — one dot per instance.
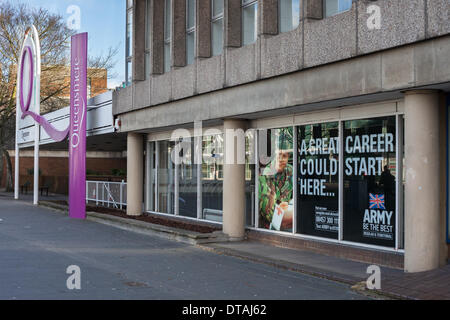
[422, 217]
[234, 179]
[135, 174]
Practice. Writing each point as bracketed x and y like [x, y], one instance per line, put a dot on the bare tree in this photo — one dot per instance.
[54, 37]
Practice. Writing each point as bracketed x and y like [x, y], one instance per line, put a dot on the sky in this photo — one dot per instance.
[104, 20]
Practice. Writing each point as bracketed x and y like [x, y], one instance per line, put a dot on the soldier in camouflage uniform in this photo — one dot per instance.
[275, 182]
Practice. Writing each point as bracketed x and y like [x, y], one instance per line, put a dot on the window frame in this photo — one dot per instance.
[148, 42]
[244, 5]
[336, 13]
[167, 39]
[191, 31]
[216, 19]
[129, 45]
[400, 214]
[279, 16]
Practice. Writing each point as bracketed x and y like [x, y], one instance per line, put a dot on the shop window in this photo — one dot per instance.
[288, 15]
[250, 178]
[167, 35]
[190, 31]
[150, 177]
[216, 27]
[332, 7]
[448, 169]
[275, 179]
[187, 179]
[318, 180]
[165, 177]
[249, 21]
[370, 173]
[212, 177]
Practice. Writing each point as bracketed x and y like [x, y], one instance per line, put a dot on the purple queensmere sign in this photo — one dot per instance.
[77, 136]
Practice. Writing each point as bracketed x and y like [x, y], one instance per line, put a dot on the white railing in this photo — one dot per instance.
[107, 193]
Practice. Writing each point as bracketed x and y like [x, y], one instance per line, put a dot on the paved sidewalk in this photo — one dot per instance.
[394, 283]
[434, 285]
[37, 245]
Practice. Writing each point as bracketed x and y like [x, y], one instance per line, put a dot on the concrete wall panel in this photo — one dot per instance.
[438, 17]
[398, 68]
[330, 39]
[241, 64]
[210, 74]
[141, 94]
[161, 88]
[183, 82]
[402, 22]
[281, 54]
[429, 59]
[122, 100]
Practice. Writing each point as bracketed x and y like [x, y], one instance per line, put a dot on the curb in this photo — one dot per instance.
[355, 283]
[205, 241]
[147, 228]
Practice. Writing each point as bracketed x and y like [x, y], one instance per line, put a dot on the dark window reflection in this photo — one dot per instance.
[318, 180]
[370, 171]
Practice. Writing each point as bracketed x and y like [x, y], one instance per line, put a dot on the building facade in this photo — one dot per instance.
[336, 111]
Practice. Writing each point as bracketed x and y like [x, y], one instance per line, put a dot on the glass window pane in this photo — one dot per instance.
[167, 57]
[190, 47]
[217, 37]
[217, 7]
[167, 20]
[129, 73]
[345, 5]
[276, 173]
[289, 14]
[333, 7]
[187, 180]
[318, 180]
[148, 26]
[130, 33]
[190, 19]
[212, 177]
[147, 65]
[150, 201]
[370, 172]
[250, 178]
[249, 24]
[166, 172]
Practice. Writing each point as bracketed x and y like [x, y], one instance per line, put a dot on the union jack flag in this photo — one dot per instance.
[376, 201]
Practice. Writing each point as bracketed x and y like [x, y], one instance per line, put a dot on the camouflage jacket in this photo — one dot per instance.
[280, 184]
